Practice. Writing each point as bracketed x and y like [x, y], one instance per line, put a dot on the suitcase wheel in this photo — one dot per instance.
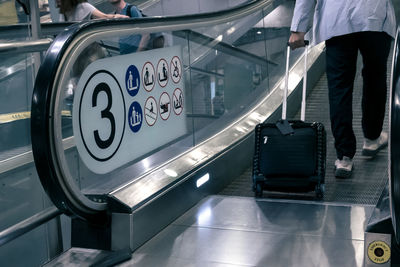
[258, 190]
[320, 191]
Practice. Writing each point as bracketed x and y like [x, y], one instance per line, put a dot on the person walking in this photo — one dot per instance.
[349, 27]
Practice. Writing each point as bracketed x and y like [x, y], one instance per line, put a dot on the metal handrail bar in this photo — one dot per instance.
[27, 157]
[22, 30]
[25, 46]
[28, 224]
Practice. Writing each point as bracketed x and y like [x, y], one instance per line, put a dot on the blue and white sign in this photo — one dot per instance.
[132, 80]
[135, 117]
[115, 121]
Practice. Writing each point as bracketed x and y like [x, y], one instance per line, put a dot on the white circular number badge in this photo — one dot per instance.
[102, 115]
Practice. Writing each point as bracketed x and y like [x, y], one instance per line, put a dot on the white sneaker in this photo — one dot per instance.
[343, 167]
[372, 147]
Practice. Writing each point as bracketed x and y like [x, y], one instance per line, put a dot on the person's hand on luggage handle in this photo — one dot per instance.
[296, 40]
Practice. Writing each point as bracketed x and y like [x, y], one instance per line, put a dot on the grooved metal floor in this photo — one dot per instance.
[369, 176]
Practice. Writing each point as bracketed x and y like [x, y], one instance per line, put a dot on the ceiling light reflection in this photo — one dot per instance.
[170, 173]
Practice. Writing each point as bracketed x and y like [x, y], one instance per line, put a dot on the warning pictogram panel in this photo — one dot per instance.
[165, 106]
[162, 72]
[148, 76]
[176, 69]
[177, 99]
[116, 114]
[150, 111]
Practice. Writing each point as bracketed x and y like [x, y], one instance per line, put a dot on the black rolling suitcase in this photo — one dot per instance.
[290, 156]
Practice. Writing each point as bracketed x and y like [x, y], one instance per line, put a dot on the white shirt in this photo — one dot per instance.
[82, 11]
[339, 17]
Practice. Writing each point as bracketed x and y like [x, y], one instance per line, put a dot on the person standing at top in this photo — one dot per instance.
[132, 43]
[79, 10]
[349, 27]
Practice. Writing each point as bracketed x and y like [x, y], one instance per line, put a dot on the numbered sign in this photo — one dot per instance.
[118, 101]
[102, 115]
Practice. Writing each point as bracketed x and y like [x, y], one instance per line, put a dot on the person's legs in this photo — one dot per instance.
[341, 61]
[374, 48]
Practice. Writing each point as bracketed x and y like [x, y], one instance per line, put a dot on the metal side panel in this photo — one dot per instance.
[242, 231]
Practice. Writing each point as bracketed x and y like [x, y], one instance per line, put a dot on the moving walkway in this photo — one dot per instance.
[165, 182]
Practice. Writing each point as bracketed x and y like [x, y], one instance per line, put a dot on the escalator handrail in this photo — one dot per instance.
[394, 139]
[46, 141]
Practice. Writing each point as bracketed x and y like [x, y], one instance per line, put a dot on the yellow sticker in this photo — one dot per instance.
[10, 117]
[378, 252]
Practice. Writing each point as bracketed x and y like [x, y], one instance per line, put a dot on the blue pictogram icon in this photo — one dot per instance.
[135, 117]
[132, 80]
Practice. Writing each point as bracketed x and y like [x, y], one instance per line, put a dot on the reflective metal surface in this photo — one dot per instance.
[238, 231]
[241, 231]
[26, 46]
[78, 257]
[27, 225]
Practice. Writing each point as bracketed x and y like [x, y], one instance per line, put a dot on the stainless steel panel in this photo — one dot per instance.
[121, 231]
[286, 217]
[239, 231]
[191, 246]
[81, 257]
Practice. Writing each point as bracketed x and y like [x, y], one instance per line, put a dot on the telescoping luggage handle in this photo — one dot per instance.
[283, 125]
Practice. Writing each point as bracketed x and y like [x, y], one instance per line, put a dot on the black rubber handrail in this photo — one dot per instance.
[394, 140]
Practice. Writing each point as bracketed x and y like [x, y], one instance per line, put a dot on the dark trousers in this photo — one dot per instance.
[341, 65]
